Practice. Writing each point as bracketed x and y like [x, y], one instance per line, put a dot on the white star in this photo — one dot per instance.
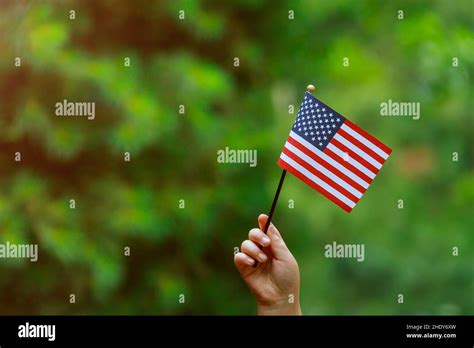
[299, 129]
[319, 138]
[324, 109]
[325, 138]
[312, 139]
[306, 133]
[320, 144]
[311, 133]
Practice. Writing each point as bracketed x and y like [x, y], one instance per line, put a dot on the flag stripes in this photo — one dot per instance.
[343, 170]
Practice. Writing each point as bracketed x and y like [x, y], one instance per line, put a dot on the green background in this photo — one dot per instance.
[189, 251]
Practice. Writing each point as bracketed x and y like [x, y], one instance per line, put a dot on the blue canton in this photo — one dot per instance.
[317, 123]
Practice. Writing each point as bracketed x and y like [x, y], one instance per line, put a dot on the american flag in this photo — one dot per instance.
[331, 154]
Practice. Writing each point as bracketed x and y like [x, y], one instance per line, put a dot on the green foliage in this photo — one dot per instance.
[173, 156]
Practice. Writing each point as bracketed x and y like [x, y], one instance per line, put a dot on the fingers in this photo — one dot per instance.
[251, 249]
[278, 247]
[262, 220]
[242, 261]
[259, 237]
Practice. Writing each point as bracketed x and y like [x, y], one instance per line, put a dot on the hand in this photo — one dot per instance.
[275, 282]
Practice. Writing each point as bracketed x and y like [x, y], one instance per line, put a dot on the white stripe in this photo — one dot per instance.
[358, 151]
[323, 170]
[317, 181]
[328, 159]
[350, 160]
[365, 141]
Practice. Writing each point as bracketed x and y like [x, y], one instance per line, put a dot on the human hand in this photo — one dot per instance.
[275, 281]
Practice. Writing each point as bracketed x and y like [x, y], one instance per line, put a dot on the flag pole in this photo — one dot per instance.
[310, 89]
[275, 199]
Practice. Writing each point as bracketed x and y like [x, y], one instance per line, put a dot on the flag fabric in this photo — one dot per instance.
[331, 154]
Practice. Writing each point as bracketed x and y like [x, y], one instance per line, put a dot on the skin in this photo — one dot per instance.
[277, 275]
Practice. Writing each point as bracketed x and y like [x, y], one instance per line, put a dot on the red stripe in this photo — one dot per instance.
[348, 166]
[353, 155]
[312, 184]
[361, 146]
[362, 132]
[321, 176]
[325, 164]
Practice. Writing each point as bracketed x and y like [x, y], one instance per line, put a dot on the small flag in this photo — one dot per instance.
[331, 154]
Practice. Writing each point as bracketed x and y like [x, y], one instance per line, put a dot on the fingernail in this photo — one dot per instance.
[265, 240]
[250, 261]
[262, 257]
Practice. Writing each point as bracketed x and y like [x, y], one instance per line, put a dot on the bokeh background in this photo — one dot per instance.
[189, 251]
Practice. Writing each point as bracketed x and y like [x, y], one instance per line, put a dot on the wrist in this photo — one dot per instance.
[283, 307]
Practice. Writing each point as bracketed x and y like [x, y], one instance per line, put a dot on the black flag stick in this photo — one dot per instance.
[310, 89]
[275, 200]
[272, 209]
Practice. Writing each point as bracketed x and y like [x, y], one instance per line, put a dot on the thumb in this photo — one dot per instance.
[278, 247]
